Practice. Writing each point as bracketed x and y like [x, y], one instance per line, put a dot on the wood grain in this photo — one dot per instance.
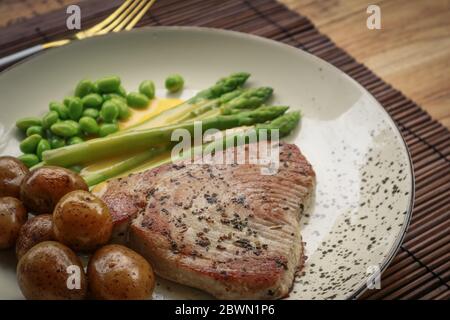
[13, 11]
[411, 51]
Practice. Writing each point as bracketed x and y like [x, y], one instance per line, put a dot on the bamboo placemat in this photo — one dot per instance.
[421, 269]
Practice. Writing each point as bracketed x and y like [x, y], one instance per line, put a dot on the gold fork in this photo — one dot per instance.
[123, 18]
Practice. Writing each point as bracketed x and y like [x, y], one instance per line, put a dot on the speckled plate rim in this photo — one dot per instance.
[362, 287]
[398, 243]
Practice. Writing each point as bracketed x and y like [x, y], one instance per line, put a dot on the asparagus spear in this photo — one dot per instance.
[223, 86]
[133, 141]
[232, 101]
[211, 104]
[284, 123]
[250, 99]
[122, 166]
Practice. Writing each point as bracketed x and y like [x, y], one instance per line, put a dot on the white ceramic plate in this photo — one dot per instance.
[364, 181]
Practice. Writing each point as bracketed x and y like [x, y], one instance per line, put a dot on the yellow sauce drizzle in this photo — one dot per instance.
[156, 106]
[138, 116]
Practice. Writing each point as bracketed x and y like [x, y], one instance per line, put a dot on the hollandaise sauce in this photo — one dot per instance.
[139, 116]
[148, 159]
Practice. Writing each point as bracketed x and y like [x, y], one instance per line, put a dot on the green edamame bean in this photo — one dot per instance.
[84, 87]
[124, 111]
[137, 100]
[24, 123]
[64, 129]
[29, 159]
[49, 119]
[110, 96]
[57, 142]
[60, 108]
[92, 100]
[147, 87]
[121, 91]
[29, 144]
[88, 125]
[174, 83]
[110, 111]
[42, 146]
[48, 133]
[90, 112]
[108, 128]
[96, 89]
[35, 130]
[74, 140]
[75, 125]
[67, 100]
[75, 109]
[108, 84]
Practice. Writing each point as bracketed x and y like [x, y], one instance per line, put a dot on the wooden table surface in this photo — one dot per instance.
[411, 51]
[420, 269]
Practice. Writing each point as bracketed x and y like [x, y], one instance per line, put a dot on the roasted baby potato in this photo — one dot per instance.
[12, 172]
[118, 273]
[12, 216]
[34, 231]
[51, 271]
[42, 188]
[82, 221]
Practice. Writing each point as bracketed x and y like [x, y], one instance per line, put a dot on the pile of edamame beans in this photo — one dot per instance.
[93, 111]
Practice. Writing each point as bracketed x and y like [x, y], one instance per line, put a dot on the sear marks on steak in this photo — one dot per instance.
[226, 229]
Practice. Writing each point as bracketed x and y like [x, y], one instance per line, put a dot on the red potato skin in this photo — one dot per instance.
[12, 216]
[118, 273]
[42, 273]
[43, 187]
[12, 172]
[36, 230]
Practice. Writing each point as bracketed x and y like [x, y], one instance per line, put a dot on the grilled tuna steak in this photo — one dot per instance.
[225, 229]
